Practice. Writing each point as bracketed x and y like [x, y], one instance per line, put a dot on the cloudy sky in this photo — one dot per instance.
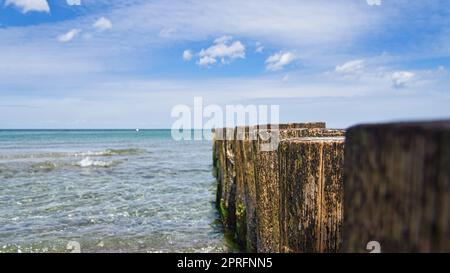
[126, 63]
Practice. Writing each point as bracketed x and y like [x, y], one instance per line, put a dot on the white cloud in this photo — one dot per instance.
[325, 35]
[73, 2]
[279, 60]
[401, 78]
[187, 55]
[351, 67]
[259, 47]
[285, 78]
[30, 5]
[102, 24]
[271, 23]
[373, 2]
[223, 49]
[206, 60]
[167, 32]
[66, 37]
[223, 39]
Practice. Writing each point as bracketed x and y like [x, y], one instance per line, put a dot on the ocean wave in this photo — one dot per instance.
[112, 152]
[32, 168]
[6, 173]
[35, 155]
[88, 162]
[43, 166]
[107, 152]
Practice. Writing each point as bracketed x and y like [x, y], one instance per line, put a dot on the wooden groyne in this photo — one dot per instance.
[248, 194]
[397, 182]
[302, 196]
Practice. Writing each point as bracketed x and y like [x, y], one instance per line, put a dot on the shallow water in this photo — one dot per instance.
[108, 190]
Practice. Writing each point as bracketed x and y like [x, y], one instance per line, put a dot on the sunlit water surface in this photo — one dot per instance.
[108, 190]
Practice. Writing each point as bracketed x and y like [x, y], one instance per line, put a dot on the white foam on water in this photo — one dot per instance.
[88, 162]
[111, 152]
[51, 155]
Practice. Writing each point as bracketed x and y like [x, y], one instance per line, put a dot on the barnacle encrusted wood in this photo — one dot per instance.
[397, 181]
[241, 211]
[266, 181]
[257, 187]
[268, 187]
[311, 190]
[227, 183]
[248, 174]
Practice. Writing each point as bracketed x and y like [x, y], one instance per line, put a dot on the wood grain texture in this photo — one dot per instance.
[248, 181]
[268, 186]
[311, 190]
[235, 152]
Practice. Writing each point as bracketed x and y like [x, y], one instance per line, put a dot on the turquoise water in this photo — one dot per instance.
[108, 190]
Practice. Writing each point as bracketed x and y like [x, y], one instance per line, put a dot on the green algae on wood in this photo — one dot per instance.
[249, 190]
[240, 213]
[241, 226]
[226, 175]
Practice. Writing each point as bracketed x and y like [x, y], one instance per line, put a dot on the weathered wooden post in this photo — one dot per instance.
[219, 163]
[226, 188]
[267, 183]
[311, 189]
[241, 133]
[397, 181]
[249, 191]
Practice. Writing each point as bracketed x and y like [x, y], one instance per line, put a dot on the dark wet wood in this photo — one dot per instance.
[397, 181]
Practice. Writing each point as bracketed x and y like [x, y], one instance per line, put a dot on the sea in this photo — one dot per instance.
[107, 191]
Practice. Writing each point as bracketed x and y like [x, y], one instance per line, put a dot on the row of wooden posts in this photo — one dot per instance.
[301, 197]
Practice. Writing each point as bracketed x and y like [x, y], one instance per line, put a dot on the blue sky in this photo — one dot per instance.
[125, 64]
